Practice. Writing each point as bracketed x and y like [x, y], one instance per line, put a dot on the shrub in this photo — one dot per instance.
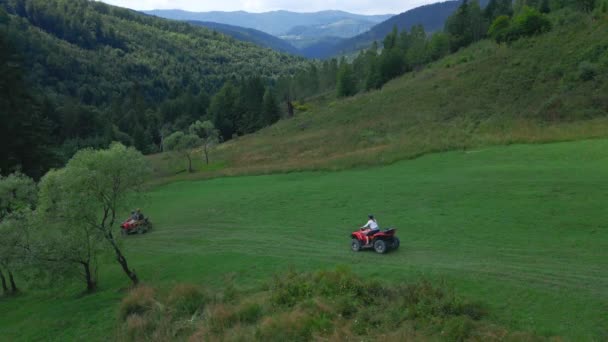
[587, 71]
[249, 313]
[139, 301]
[458, 329]
[187, 299]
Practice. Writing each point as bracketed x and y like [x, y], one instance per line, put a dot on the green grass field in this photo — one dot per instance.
[520, 228]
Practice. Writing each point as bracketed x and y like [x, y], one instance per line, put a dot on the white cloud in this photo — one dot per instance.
[355, 6]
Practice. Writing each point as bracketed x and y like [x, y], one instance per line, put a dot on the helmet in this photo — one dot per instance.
[371, 216]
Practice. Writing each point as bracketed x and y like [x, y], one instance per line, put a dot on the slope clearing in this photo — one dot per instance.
[519, 228]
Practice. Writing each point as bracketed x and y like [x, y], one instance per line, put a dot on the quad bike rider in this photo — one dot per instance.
[370, 236]
[136, 224]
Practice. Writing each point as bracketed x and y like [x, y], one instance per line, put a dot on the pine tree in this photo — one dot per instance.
[544, 6]
[346, 85]
[270, 107]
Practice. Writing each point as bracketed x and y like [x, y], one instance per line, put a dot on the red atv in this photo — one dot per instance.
[131, 226]
[381, 241]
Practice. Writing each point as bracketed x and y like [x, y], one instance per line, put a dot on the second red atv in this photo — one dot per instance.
[131, 226]
[381, 241]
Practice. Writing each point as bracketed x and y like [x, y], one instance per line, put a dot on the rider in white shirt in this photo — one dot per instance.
[370, 228]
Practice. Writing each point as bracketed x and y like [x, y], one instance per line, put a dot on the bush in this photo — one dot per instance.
[528, 23]
[139, 301]
[187, 299]
[587, 71]
[458, 329]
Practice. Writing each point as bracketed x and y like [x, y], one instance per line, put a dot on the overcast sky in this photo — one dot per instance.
[354, 6]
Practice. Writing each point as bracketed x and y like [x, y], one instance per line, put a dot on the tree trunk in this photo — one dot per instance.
[4, 286]
[290, 109]
[206, 155]
[123, 262]
[189, 163]
[14, 288]
[91, 284]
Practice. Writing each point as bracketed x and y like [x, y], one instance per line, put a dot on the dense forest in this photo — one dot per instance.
[82, 73]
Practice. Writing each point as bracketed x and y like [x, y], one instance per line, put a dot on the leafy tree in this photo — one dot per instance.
[499, 29]
[90, 191]
[69, 241]
[183, 144]
[438, 46]
[528, 22]
[17, 199]
[208, 134]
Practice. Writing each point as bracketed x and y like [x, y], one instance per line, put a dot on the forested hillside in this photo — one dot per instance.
[93, 73]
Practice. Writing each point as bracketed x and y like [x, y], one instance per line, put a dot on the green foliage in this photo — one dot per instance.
[25, 132]
[17, 200]
[499, 29]
[529, 22]
[80, 204]
[346, 83]
[587, 71]
[270, 108]
[208, 134]
[544, 7]
[466, 26]
[497, 8]
[183, 144]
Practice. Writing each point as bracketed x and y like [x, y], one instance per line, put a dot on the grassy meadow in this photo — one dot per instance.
[521, 229]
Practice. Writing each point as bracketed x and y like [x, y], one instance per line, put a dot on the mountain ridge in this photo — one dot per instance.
[274, 22]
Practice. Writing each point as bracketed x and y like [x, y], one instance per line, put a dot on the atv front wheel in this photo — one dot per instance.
[356, 245]
[380, 246]
[396, 243]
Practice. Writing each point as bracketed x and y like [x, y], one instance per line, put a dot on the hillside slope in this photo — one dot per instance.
[250, 35]
[546, 88]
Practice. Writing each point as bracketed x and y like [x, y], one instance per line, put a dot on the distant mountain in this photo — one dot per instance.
[432, 17]
[304, 36]
[276, 23]
[250, 35]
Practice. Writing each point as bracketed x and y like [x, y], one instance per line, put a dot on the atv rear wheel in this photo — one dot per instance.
[396, 243]
[380, 246]
[355, 245]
